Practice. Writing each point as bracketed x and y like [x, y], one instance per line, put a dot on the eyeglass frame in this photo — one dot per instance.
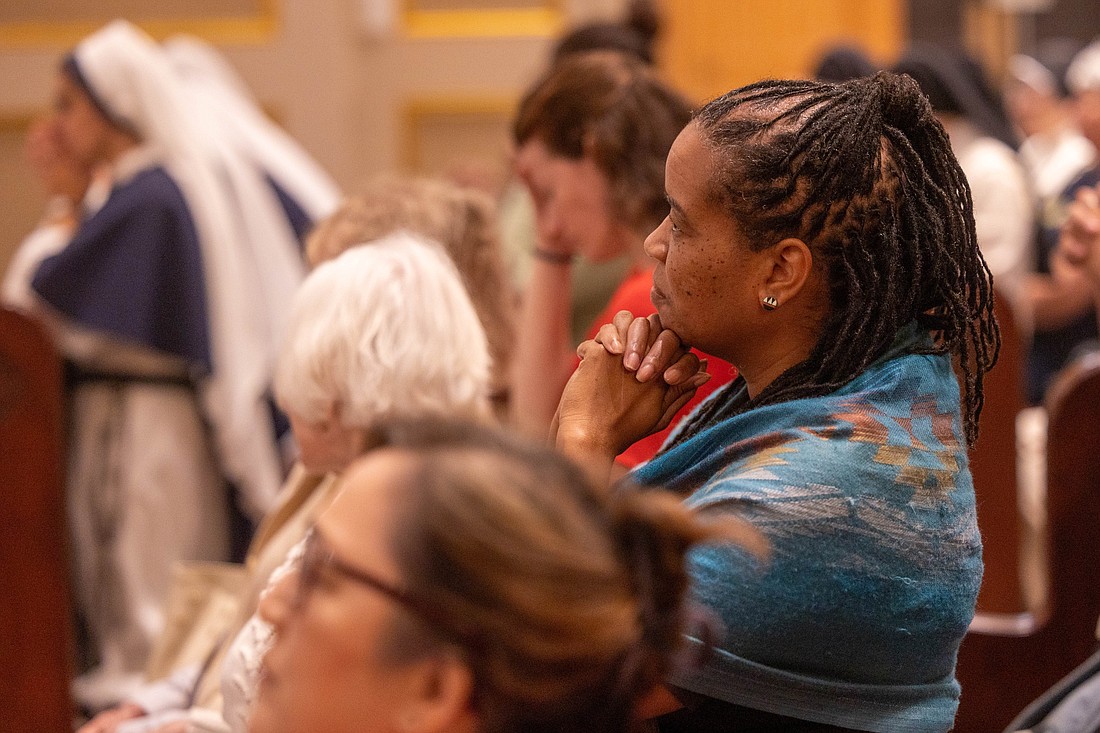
[317, 555]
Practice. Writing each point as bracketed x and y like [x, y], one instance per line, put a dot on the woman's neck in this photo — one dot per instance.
[762, 372]
[117, 144]
[788, 337]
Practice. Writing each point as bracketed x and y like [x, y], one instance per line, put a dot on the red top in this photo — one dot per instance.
[633, 295]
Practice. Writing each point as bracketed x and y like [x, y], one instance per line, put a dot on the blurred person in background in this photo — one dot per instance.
[843, 63]
[1040, 105]
[591, 283]
[358, 353]
[984, 144]
[155, 299]
[591, 141]
[305, 190]
[1060, 297]
[460, 218]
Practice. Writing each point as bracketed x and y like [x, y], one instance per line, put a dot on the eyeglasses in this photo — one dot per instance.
[318, 556]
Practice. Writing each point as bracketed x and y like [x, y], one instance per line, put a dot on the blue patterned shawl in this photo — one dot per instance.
[866, 497]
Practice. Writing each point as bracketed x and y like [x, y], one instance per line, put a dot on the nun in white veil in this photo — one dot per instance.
[162, 311]
[296, 186]
[306, 191]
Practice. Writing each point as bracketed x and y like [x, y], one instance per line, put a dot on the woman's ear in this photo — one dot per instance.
[791, 264]
[440, 699]
[588, 145]
[328, 418]
[335, 411]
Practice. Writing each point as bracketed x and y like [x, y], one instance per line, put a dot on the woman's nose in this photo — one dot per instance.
[549, 226]
[277, 603]
[656, 244]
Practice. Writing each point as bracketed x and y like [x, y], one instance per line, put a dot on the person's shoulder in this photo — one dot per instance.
[992, 159]
[149, 189]
[901, 372]
[148, 203]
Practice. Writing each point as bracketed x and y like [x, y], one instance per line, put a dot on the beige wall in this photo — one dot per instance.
[361, 102]
[366, 101]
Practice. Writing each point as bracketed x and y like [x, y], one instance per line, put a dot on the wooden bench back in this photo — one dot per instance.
[1001, 674]
[35, 611]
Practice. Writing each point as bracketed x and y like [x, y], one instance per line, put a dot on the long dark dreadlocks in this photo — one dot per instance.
[864, 174]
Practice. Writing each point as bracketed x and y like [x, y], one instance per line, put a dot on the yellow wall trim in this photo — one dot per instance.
[245, 30]
[543, 21]
[419, 110]
[18, 122]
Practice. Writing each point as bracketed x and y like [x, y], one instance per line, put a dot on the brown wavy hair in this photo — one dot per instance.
[566, 600]
[614, 108]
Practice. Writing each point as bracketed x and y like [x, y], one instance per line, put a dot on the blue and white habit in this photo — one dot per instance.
[159, 301]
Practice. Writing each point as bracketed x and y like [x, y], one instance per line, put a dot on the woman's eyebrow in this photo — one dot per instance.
[673, 205]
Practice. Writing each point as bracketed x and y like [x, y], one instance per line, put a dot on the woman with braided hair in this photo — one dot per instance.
[821, 239]
[463, 581]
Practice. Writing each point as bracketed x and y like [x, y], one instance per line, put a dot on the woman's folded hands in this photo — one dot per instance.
[632, 380]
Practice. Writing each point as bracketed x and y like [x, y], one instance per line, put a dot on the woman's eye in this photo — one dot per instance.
[324, 580]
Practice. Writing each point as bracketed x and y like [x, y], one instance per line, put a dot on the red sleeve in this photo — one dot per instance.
[633, 295]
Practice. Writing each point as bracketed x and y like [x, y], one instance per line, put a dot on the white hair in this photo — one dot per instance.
[384, 330]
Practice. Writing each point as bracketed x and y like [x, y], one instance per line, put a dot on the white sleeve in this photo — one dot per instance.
[15, 288]
[1003, 214]
[244, 659]
[173, 692]
[151, 723]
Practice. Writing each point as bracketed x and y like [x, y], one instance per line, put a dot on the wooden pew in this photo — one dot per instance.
[993, 465]
[35, 612]
[1001, 674]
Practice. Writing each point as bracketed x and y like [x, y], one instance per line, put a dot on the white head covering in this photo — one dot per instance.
[1084, 72]
[228, 100]
[131, 78]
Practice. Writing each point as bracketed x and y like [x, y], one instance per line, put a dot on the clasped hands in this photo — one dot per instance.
[1079, 243]
[634, 376]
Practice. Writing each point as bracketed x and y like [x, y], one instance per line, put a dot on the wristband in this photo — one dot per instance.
[556, 258]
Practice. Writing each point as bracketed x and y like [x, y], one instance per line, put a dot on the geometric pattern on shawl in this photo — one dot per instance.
[866, 497]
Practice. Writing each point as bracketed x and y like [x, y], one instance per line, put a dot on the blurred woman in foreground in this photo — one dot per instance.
[465, 582]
